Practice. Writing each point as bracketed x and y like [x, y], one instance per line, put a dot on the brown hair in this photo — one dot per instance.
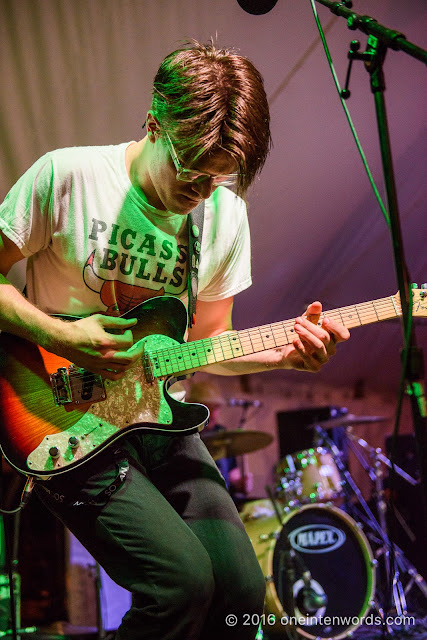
[209, 99]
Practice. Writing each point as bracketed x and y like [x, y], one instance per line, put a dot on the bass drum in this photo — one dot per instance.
[336, 553]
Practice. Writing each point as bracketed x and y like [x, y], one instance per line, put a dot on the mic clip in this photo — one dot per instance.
[313, 601]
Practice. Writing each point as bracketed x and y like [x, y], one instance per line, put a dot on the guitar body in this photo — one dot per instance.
[32, 426]
[55, 416]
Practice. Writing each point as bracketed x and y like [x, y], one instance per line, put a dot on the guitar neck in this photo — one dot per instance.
[193, 355]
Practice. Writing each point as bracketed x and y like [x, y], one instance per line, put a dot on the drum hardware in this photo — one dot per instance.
[397, 592]
[292, 564]
[318, 565]
[308, 476]
[10, 522]
[230, 444]
[346, 420]
[392, 554]
[395, 563]
[286, 563]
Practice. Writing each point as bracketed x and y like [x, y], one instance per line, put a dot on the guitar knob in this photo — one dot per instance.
[73, 442]
[54, 452]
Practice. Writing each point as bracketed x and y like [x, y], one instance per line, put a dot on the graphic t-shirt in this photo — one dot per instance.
[94, 244]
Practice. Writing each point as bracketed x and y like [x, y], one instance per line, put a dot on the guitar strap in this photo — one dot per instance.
[195, 231]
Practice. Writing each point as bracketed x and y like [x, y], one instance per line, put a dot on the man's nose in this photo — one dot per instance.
[204, 189]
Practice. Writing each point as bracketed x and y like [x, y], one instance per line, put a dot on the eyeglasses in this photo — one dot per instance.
[190, 175]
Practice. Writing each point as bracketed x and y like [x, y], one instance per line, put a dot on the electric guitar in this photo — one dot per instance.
[54, 416]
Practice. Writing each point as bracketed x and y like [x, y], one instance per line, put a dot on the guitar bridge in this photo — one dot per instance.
[147, 366]
[76, 386]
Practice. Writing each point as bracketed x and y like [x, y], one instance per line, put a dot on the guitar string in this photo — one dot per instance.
[361, 309]
[199, 346]
[281, 326]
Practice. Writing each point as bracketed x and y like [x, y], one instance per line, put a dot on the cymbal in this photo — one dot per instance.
[228, 444]
[346, 421]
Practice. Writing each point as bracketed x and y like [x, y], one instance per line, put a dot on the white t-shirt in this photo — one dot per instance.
[94, 244]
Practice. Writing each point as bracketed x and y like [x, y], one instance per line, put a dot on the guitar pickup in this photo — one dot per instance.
[148, 368]
[76, 386]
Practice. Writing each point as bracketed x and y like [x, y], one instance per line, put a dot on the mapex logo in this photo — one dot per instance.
[315, 538]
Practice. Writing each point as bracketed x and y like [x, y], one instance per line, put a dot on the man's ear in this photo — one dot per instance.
[153, 126]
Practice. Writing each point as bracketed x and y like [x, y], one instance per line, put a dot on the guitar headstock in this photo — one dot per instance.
[419, 302]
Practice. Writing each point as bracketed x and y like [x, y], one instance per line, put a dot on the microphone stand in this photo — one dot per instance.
[289, 562]
[380, 39]
[286, 564]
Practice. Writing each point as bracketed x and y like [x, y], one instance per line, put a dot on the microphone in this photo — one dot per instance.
[312, 601]
[240, 402]
[257, 7]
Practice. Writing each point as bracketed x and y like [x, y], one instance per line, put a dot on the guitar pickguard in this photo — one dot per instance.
[40, 438]
[132, 402]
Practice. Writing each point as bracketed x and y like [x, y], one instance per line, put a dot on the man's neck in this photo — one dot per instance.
[137, 160]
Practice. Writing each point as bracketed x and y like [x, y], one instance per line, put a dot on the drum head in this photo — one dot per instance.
[338, 556]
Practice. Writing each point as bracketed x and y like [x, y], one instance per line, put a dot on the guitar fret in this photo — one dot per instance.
[226, 346]
[388, 310]
[161, 360]
[200, 350]
[209, 350]
[236, 344]
[368, 312]
[263, 338]
[393, 302]
[246, 342]
[185, 357]
[193, 355]
[376, 312]
[217, 348]
[147, 404]
[358, 315]
[280, 334]
[348, 316]
[365, 313]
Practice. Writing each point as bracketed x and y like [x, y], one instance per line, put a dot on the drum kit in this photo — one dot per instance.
[327, 559]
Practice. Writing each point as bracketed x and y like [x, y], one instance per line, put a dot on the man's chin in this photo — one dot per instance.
[184, 205]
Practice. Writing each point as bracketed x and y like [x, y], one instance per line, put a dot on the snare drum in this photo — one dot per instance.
[255, 509]
[308, 476]
[336, 553]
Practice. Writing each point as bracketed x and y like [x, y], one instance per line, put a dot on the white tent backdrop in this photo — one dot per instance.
[77, 73]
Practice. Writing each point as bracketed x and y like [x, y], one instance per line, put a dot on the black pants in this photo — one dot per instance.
[168, 532]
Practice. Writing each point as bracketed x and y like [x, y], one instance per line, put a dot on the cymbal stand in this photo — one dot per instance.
[11, 538]
[292, 562]
[375, 473]
[96, 573]
[286, 563]
[401, 563]
[243, 462]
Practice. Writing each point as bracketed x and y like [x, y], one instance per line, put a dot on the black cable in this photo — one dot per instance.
[407, 321]
[9, 560]
[349, 119]
[392, 473]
